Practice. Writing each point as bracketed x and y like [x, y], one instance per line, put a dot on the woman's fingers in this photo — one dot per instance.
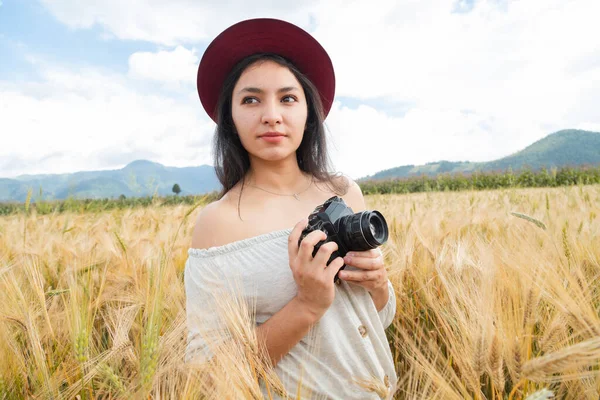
[307, 246]
[367, 260]
[293, 238]
[324, 253]
[361, 276]
[373, 253]
[334, 267]
[370, 262]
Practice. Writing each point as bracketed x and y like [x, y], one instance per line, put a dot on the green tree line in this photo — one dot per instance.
[525, 178]
[43, 207]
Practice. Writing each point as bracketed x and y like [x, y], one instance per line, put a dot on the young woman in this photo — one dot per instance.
[269, 85]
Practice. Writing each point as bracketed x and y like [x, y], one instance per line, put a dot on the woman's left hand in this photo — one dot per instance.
[372, 275]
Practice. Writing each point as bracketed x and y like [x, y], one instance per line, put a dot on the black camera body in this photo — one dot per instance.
[351, 231]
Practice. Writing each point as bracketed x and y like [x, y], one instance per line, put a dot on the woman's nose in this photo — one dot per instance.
[271, 114]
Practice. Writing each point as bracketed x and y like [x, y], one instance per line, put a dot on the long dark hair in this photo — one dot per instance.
[231, 158]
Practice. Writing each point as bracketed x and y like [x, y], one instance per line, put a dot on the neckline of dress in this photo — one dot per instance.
[238, 244]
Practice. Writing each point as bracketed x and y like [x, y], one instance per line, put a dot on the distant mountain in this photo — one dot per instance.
[144, 178]
[563, 148]
[139, 178]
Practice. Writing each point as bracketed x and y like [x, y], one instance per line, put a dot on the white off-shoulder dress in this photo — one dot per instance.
[346, 344]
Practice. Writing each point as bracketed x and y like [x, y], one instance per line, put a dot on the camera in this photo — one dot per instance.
[351, 231]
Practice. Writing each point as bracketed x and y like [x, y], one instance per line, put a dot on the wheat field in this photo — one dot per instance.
[497, 298]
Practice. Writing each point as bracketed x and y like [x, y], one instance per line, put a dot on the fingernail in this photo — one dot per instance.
[347, 258]
[342, 275]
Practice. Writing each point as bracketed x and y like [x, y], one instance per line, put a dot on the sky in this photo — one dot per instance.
[95, 85]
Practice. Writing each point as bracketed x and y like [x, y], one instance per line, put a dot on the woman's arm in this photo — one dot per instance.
[380, 297]
[388, 312]
[316, 289]
[285, 329]
[207, 323]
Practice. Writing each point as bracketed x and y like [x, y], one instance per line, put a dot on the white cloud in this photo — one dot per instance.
[84, 118]
[365, 141]
[489, 57]
[173, 22]
[525, 69]
[174, 67]
[481, 83]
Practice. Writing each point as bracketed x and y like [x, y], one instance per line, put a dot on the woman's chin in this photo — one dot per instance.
[275, 155]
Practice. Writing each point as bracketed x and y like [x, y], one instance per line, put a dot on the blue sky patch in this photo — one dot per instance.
[29, 29]
[463, 6]
[391, 107]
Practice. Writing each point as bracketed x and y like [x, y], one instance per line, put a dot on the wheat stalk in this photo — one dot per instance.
[477, 297]
[543, 368]
[537, 222]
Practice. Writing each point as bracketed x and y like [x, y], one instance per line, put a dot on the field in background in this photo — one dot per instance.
[497, 293]
[440, 182]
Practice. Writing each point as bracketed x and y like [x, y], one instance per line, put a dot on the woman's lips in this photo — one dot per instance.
[273, 138]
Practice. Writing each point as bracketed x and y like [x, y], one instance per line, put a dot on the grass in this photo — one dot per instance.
[497, 291]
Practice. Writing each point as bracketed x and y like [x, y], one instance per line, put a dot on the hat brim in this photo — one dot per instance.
[263, 35]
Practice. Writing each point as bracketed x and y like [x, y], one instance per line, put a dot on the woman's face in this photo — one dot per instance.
[268, 99]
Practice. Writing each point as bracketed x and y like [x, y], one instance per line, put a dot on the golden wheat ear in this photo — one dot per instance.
[489, 303]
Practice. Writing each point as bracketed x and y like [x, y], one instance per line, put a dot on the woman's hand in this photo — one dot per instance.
[316, 289]
[372, 275]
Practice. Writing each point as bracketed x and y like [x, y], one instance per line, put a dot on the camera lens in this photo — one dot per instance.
[377, 228]
[363, 231]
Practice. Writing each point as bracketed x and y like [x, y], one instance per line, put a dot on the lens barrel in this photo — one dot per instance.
[364, 230]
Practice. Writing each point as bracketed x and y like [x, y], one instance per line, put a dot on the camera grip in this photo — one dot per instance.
[334, 255]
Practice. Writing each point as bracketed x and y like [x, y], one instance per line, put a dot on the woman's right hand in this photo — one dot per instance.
[316, 289]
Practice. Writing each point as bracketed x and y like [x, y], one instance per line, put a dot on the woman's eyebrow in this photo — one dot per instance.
[258, 91]
[287, 89]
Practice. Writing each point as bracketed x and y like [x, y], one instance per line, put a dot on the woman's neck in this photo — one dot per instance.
[282, 179]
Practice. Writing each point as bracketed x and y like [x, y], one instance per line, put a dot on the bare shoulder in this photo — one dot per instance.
[212, 225]
[353, 197]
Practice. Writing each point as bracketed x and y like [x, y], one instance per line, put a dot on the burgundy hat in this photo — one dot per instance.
[263, 35]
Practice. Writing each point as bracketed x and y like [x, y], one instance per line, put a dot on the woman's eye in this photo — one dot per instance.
[249, 100]
[288, 99]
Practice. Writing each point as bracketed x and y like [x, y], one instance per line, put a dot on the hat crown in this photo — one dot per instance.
[263, 35]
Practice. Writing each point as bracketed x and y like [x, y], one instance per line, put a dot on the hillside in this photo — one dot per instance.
[563, 148]
[139, 178]
[144, 178]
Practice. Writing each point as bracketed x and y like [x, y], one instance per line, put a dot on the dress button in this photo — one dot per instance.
[362, 330]
[386, 381]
